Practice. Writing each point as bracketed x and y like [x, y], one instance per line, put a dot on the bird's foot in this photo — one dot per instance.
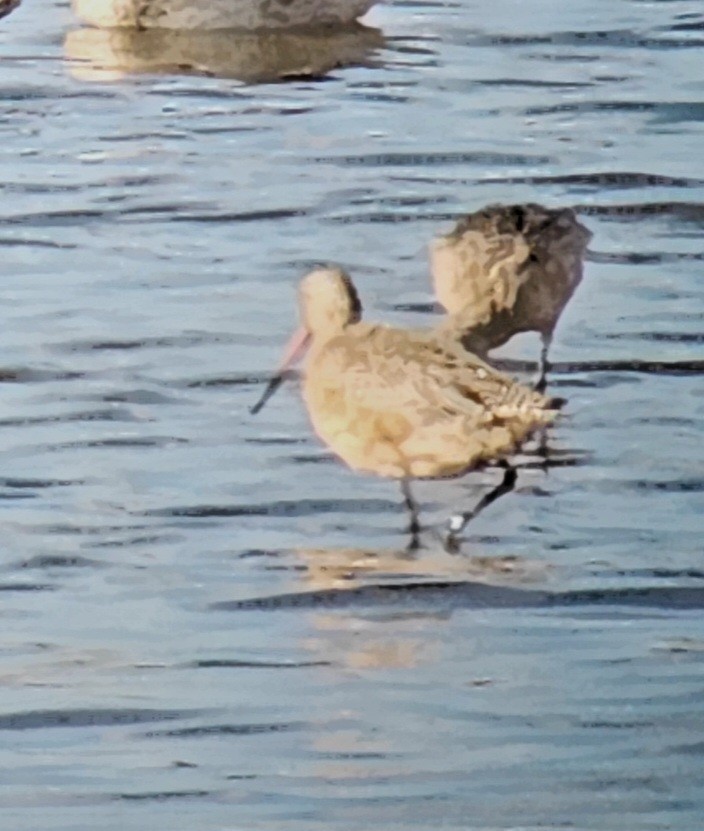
[452, 540]
[457, 523]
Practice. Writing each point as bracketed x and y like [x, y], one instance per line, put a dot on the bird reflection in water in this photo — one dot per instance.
[405, 637]
[341, 568]
[507, 269]
[403, 403]
[250, 57]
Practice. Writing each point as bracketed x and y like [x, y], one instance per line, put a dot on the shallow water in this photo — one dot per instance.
[154, 670]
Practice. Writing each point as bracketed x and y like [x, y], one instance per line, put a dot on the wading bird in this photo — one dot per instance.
[404, 403]
[508, 269]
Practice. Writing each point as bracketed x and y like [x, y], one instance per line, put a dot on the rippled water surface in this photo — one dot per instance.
[208, 622]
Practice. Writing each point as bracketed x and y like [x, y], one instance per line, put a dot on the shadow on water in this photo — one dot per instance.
[636, 365]
[448, 596]
[41, 719]
[610, 39]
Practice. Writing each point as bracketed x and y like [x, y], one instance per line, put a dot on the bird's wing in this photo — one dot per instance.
[392, 369]
[479, 269]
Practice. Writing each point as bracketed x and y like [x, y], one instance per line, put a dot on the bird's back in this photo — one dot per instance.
[508, 269]
[414, 403]
[190, 15]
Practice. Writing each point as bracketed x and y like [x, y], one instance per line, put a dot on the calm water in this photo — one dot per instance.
[155, 671]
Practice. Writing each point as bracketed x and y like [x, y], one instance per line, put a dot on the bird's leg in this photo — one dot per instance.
[412, 507]
[540, 385]
[459, 521]
[542, 451]
[542, 382]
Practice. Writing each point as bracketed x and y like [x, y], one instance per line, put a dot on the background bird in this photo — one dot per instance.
[508, 269]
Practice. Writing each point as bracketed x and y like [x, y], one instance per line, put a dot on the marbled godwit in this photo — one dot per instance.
[507, 269]
[219, 14]
[402, 403]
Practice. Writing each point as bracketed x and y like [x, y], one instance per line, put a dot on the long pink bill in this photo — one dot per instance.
[294, 350]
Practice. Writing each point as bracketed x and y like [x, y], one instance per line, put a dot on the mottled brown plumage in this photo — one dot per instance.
[402, 402]
[219, 14]
[508, 269]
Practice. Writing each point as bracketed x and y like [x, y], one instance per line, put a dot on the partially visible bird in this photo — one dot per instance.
[508, 269]
[219, 14]
[404, 403]
[6, 6]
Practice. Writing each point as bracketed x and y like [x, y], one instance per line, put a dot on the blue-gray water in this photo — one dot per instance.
[153, 228]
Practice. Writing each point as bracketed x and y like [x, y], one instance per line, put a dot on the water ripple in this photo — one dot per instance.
[43, 719]
[470, 595]
[282, 508]
[226, 730]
